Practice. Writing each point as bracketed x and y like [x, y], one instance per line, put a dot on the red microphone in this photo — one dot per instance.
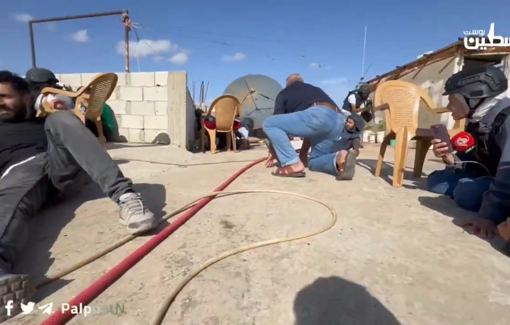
[463, 142]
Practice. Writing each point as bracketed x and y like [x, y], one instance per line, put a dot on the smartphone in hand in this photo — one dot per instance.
[439, 131]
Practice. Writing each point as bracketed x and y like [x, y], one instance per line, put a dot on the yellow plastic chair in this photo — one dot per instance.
[404, 100]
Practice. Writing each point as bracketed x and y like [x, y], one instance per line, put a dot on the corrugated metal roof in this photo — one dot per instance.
[430, 58]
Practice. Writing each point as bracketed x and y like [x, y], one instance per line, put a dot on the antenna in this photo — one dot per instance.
[205, 93]
[193, 96]
[364, 50]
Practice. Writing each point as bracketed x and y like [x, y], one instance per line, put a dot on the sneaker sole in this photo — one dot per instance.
[350, 168]
[17, 288]
[143, 226]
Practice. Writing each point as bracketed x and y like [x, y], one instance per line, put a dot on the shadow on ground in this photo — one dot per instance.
[336, 301]
[387, 171]
[48, 224]
[448, 207]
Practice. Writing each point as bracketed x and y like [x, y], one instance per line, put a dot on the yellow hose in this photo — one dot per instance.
[162, 310]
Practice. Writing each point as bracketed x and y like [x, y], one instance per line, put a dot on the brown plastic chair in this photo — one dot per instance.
[96, 93]
[401, 118]
[226, 109]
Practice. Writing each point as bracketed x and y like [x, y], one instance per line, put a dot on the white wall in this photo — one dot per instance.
[149, 107]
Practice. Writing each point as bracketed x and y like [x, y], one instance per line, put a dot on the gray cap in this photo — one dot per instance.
[40, 75]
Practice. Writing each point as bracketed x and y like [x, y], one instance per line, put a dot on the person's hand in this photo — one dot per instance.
[102, 140]
[356, 153]
[504, 230]
[482, 227]
[440, 150]
[270, 161]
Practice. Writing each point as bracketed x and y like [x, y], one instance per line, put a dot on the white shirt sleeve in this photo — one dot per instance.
[352, 99]
[38, 102]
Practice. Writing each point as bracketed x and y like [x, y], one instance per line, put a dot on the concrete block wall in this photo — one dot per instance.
[149, 107]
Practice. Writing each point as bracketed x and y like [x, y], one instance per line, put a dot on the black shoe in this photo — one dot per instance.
[14, 290]
[349, 169]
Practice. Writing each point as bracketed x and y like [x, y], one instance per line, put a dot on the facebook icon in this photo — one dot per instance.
[8, 307]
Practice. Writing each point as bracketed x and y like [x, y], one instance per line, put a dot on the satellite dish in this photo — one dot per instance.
[257, 94]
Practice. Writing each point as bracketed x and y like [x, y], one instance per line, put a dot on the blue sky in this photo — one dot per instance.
[218, 41]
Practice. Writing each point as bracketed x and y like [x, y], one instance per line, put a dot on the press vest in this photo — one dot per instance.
[359, 101]
[487, 150]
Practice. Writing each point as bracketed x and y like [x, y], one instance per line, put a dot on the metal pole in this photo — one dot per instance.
[37, 21]
[32, 44]
[126, 40]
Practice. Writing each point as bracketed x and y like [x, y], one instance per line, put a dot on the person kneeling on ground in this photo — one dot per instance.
[39, 159]
[478, 180]
[305, 111]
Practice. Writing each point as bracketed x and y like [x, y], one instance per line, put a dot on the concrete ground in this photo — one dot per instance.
[394, 257]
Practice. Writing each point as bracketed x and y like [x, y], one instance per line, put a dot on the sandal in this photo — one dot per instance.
[347, 173]
[288, 172]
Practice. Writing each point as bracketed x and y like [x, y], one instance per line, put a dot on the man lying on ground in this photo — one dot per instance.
[478, 180]
[306, 111]
[40, 158]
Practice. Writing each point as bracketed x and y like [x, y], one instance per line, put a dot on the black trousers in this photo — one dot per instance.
[73, 154]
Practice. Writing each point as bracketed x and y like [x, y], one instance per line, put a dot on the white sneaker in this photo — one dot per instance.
[135, 215]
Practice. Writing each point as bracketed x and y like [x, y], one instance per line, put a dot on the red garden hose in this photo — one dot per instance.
[103, 283]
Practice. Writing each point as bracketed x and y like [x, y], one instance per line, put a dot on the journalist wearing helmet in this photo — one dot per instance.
[39, 78]
[478, 179]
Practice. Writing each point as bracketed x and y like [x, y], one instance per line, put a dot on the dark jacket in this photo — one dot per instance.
[494, 153]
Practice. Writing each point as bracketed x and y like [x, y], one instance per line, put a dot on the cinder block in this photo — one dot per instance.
[123, 77]
[136, 135]
[155, 122]
[161, 108]
[142, 79]
[155, 93]
[130, 93]
[131, 121]
[118, 106]
[73, 79]
[161, 78]
[142, 108]
[156, 136]
[113, 96]
[86, 78]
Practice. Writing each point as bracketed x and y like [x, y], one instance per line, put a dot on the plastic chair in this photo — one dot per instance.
[225, 108]
[96, 93]
[404, 100]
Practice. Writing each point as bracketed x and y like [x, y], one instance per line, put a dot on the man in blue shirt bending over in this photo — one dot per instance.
[306, 111]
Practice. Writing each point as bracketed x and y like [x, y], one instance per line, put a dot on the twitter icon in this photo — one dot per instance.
[28, 308]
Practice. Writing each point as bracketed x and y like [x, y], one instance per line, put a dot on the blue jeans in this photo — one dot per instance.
[465, 190]
[320, 124]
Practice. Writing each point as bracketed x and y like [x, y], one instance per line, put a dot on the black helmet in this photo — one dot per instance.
[40, 75]
[477, 82]
[364, 89]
